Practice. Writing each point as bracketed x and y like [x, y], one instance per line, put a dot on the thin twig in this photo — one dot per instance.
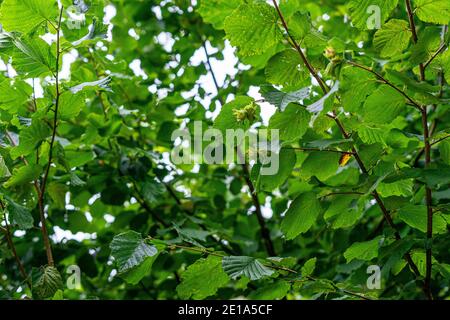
[265, 233]
[429, 203]
[297, 47]
[441, 48]
[387, 82]
[427, 151]
[346, 135]
[272, 266]
[52, 143]
[414, 34]
[143, 203]
[12, 247]
[321, 150]
[440, 140]
[342, 193]
[213, 75]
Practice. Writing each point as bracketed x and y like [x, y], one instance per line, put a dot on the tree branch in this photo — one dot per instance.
[412, 25]
[297, 47]
[265, 233]
[387, 82]
[212, 253]
[429, 202]
[48, 248]
[320, 150]
[427, 151]
[347, 136]
[12, 247]
[441, 49]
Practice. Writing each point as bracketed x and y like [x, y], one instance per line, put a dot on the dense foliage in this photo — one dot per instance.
[91, 92]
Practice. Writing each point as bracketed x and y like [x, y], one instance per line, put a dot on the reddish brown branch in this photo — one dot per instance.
[297, 47]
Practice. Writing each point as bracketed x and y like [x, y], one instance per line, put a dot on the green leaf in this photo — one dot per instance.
[428, 43]
[31, 138]
[352, 78]
[79, 158]
[23, 175]
[286, 69]
[32, 57]
[272, 291]
[416, 217]
[26, 15]
[19, 215]
[366, 251]
[433, 11]
[301, 28]
[253, 28]
[97, 30]
[321, 164]
[321, 104]
[4, 171]
[227, 117]
[215, 11]
[58, 296]
[102, 84]
[398, 188]
[370, 135]
[287, 160]
[281, 99]
[444, 149]
[13, 94]
[308, 268]
[363, 12]
[417, 87]
[130, 250]
[444, 61]
[383, 106]
[301, 215]
[70, 105]
[46, 281]
[152, 190]
[135, 275]
[292, 123]
[236, 266]
[393, 38]
[202, 279]
[58, 192]
[343, 211]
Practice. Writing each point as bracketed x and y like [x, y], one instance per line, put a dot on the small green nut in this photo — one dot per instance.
[239, 114]
[330, 53]
[246, 113]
